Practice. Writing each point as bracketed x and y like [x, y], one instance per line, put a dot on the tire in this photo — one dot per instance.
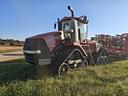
[63, 68]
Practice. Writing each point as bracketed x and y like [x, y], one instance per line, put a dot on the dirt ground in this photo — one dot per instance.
[10, 53]
[10, 48]
[11, 56]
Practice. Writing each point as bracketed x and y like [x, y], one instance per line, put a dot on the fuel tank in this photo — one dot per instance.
[38, 48]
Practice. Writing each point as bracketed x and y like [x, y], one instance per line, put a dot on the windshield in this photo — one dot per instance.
[82, 29]
[68, 29]
[67, 25]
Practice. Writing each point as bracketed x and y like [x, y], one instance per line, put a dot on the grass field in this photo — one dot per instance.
[5, 49]
[15, 70]
[100, 80]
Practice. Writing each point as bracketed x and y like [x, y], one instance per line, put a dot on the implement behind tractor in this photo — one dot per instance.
[117, 46]
[65, 49]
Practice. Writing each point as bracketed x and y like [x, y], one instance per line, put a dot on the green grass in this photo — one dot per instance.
[100, 80]
[16, 70]
[20, 61]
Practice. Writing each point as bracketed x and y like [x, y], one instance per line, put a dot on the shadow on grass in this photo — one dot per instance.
[15, 61]
[11, 72]
[19, 70]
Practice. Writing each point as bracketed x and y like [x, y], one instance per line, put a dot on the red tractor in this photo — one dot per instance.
[65, 49]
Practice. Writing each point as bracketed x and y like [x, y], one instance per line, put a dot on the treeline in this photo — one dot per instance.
[11, 42]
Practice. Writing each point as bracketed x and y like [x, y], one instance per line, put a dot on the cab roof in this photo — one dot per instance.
[70, 18]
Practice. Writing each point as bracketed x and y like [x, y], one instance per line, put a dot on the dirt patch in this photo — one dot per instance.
[11, 56]
[2, 59]
[10, 48]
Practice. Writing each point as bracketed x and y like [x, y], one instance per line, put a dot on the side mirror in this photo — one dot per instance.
[85, 19]
[55, 26]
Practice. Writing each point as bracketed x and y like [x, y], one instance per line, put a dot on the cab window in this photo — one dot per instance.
[68, 28]
[67, 25]
[82, 30]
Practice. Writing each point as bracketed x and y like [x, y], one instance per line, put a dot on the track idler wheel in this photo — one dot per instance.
[63, 68]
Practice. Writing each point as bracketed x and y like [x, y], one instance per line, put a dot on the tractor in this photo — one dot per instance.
[65, 49]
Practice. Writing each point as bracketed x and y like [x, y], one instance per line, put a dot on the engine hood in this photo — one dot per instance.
[51, 38]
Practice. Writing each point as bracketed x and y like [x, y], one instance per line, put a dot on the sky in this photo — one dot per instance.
[20, 19]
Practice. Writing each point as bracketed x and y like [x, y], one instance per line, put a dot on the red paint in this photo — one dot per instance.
[52, 39]
[121, 41]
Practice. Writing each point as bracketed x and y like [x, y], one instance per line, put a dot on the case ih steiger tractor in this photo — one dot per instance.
[65, 49]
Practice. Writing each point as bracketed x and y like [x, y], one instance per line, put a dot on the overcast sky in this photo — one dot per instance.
[23, 18]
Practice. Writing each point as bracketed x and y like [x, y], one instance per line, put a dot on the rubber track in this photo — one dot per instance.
[63, 55]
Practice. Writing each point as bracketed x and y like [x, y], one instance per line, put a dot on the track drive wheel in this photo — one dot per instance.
[83, 64]
[103, 57]
[63, 68]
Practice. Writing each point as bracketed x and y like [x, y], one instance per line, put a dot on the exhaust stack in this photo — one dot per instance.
[71, 10]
